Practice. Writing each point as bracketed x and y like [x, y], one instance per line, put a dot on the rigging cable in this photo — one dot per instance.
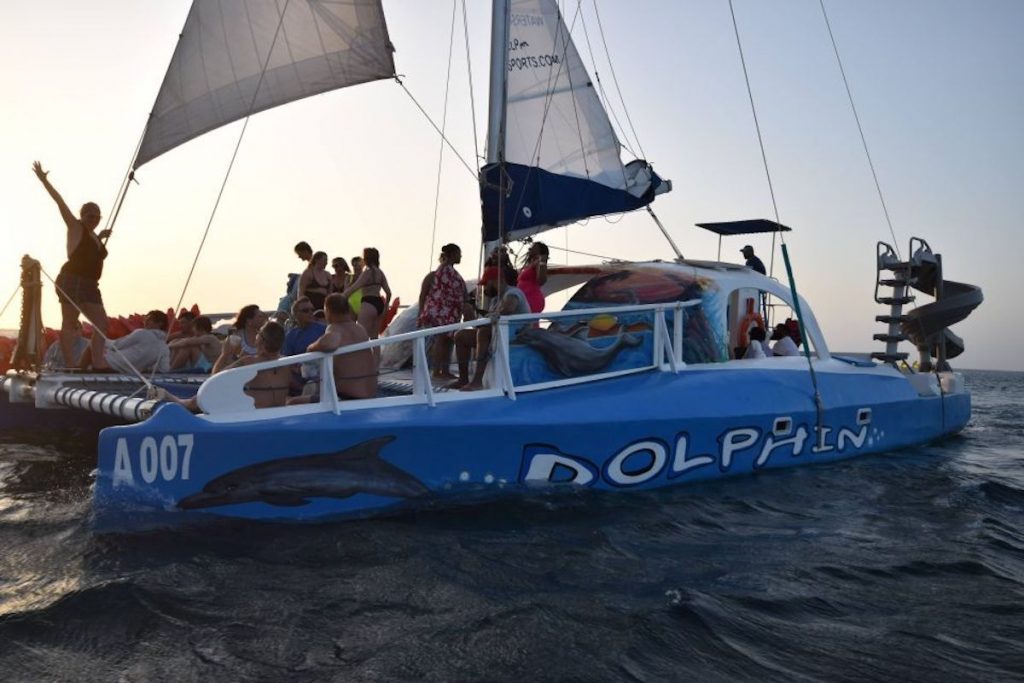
[469, 70]
[819, 405]
[621, 135]
[860, 129]
[7, 305]
[444, 125]
[472, 110]
[122, 192]
[760, 140]
[615, 80]
[549, 94]
[96, 330]
[423, 111]
[234, 155]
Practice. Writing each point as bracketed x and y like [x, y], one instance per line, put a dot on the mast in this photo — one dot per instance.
[498, 103]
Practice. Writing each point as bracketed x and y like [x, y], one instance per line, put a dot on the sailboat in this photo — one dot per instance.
[638, 383]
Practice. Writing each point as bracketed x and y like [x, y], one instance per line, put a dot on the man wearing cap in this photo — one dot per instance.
[753, 262]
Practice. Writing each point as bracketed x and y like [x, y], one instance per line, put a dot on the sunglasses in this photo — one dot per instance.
[304, 309]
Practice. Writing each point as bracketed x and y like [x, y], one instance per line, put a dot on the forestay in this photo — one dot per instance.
[561, 154]
[239, 57]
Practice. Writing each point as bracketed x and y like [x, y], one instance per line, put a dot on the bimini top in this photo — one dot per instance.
[747, 227]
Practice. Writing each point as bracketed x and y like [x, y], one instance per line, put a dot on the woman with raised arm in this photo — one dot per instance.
[534, 274]
[78, 283]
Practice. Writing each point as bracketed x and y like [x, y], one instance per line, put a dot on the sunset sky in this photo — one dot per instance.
[938, 84]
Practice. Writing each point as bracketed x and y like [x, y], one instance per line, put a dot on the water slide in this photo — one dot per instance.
[925, 325]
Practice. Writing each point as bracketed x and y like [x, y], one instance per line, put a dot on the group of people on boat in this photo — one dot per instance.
[444, 300]
[364, 284]
[784, 341]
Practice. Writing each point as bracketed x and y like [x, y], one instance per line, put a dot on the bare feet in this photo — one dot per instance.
[458, 384]
[445, 375]
[473, 386]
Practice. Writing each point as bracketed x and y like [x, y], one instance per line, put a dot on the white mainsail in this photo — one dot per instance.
[239, 57]
[554, 118]
[559, 158]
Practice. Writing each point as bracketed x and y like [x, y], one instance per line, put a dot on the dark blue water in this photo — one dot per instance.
[905, 566]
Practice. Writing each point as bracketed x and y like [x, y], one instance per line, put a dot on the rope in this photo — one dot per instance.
[621, 134]
[760, 140]
[96, 329]
[469, 69]
[444, 124]
[13, 294]
[860, 129]
[122, 192]
[234, 155]
[818, 404]
[439, 131]
[581, 253]
[615, 80]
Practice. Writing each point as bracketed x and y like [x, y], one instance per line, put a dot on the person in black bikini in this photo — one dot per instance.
[372, 282]
[78, 282]
[315, 282]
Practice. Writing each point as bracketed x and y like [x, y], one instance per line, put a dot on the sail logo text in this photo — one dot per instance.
[740, 449]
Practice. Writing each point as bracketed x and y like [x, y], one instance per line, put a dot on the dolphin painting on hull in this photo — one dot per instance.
[571, 356]
[292, 481]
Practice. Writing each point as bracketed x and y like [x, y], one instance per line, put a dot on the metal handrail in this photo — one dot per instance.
[223, 395]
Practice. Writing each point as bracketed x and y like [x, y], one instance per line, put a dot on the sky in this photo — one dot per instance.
[938, 86]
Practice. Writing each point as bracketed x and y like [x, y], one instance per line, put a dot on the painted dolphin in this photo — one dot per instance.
[570, 355]
[292, 481]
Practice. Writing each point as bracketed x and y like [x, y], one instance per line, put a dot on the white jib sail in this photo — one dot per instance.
[554, 118]
[239, 57]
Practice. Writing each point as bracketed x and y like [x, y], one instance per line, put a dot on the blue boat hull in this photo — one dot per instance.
[638, 432]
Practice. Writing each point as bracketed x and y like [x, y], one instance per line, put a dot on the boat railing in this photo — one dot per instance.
[222, 397]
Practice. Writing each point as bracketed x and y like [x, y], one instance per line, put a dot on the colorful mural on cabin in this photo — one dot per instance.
[600, 343]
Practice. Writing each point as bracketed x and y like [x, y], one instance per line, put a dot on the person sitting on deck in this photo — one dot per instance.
[755, 349]
[186, 321]
[198, 352]
[242, 340]
[305, 331]
[54, 356]
[268, 389]
[784, 344]
[144, 350]
[355, 374]
[505, 300]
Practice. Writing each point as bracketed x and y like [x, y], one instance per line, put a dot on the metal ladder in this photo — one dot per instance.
[902, 276]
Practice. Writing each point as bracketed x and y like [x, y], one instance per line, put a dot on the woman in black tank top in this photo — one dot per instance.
[78, 284]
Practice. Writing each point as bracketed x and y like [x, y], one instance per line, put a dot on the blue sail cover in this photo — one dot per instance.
[562, 157]
[538, 200]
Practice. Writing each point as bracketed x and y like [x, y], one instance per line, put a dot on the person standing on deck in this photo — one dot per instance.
[79, 279]
[753, 262]
[442, 296]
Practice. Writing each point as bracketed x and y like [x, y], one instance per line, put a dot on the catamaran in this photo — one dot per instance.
[637, 383]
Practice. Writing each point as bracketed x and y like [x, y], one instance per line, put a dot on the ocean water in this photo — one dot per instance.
[903, 566]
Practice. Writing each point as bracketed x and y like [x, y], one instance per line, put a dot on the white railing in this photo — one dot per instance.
[222, 396]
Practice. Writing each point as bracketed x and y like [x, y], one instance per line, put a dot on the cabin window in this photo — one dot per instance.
[753, 309]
